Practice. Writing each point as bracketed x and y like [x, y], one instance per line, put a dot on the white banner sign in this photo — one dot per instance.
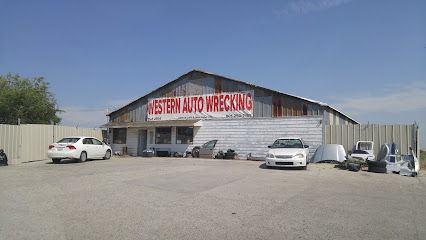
[223, 105]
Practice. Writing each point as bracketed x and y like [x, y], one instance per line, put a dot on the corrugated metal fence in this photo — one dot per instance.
[28, 142]
[404, 136]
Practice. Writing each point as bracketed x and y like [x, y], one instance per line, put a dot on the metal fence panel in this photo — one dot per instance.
[29, 142]
[404, 136]
[10, 141]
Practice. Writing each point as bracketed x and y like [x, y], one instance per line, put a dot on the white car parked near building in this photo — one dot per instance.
[287, 152]
[80, 148]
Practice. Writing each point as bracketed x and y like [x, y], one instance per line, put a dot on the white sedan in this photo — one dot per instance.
[287, 152]
[80, 148]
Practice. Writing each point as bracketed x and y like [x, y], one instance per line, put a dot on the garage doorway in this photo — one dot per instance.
[142, 141]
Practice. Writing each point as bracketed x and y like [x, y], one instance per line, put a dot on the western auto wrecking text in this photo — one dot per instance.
[224, 105]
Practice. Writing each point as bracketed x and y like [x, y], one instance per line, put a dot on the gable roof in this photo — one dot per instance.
[235, 80]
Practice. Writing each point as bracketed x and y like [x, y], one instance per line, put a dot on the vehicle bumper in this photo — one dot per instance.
[290, 162]
[63, 154]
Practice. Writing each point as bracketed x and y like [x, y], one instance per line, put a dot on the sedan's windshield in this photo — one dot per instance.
[69, 140]
[287, 143]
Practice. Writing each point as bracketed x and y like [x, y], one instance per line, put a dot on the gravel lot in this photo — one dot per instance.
[166, 198]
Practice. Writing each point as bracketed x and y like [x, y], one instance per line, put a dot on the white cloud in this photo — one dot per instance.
[300, 7]
[410, 97]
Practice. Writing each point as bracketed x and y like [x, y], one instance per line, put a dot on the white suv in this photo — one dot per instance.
[287, 152]
[80, 148]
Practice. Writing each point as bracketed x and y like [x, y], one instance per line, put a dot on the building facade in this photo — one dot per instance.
[200, 106]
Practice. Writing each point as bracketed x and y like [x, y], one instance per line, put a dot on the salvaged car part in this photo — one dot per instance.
[363, 150]
[352, 166]
[230, 154]
[195, 153]
[410, 165]
[178, 154]
[329, 153]
[377, 166]
[147, 153]
[207, 150]
[3, 158]
[220, 155]
[389, 154]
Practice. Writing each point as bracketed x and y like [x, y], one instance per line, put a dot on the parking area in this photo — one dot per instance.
[172, 198]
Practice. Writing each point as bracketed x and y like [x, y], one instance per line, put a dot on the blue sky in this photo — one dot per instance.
[365, 57]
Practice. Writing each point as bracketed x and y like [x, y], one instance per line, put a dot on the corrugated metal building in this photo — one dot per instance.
[200, 106]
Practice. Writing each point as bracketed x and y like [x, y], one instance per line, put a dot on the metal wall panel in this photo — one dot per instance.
[253, 136]
[29, 142]
[10, 138]
[404, 136]
[262, 106]
[35, 141]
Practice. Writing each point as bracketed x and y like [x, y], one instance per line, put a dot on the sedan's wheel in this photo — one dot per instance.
[83, 157]
[56, 160]
[107, 155]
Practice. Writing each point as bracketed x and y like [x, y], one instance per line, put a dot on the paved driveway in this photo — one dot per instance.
[165, 198]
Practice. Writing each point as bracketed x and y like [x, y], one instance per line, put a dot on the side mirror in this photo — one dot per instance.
[305, 146]
[269, 146]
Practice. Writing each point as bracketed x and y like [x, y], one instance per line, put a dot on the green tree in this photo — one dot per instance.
[26, 99]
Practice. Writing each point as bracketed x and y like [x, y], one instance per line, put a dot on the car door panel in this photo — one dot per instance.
[98, 148]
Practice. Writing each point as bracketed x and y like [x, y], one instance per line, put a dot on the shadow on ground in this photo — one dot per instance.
[66, 161]
[263, 166]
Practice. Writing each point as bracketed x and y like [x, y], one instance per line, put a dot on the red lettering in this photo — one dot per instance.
[185, 106]
[190, 105]
[159, 108]
[241, 101]
[209, 103]
[172, 106]
[200, 104]
[221, 103]
[249, 102]
[226, 102]
[233, 102]
[177, 105]
[215, 103]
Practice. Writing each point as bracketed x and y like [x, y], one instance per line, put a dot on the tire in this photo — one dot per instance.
[195, 153]
[56, 160]
[83, 157]
[107, 155]
[377, 169]
[377, 166]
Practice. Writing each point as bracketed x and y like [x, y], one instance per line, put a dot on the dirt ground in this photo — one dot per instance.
[172, 198]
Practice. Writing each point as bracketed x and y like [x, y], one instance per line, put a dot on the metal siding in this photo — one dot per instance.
[403, 135]
[254, 135]
[29, 142]
[10, 136]
[262, 106]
